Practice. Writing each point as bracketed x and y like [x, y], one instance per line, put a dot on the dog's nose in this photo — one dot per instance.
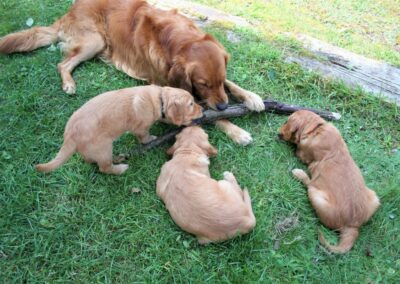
[280, 136]
[222, 106]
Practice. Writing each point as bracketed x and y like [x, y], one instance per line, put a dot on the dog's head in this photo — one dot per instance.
[179, 106]
[200, 68]
[299, 126]
[195, 139]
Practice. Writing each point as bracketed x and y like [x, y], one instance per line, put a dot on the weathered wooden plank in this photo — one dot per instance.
[355, 70]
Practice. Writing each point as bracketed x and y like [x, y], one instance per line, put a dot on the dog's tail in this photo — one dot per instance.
[250, 222]
[66, 151]
[348, 235]
[30, 39]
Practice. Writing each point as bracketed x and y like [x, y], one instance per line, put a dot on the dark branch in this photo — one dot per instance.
[232, 111]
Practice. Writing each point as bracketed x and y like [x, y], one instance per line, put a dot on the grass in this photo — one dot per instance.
[77, 225]
[348, 24]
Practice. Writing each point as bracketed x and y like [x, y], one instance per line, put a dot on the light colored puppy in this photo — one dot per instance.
[92, 129]
[337, 189]
[212, 210]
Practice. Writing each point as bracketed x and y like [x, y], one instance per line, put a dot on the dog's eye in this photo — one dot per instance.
[202, 84]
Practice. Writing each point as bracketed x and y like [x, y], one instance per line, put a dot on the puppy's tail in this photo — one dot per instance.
[66, 151]
[348, 235]
[30, 39]
[250, 222]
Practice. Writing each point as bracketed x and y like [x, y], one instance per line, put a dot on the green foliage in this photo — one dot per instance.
[78, 225]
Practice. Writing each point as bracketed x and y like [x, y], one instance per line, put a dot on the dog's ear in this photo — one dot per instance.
[226, 57]
[179, 76]
[310, 127]
[175, 110]
[210, 150]
[171, 150]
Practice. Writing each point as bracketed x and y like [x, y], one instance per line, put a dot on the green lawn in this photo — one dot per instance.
[77, 225]
[367, 27]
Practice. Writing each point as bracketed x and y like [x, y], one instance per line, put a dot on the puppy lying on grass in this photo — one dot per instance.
[92, 129]
[337, 189]
[212, 210]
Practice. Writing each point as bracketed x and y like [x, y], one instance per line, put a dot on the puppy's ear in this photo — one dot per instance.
[311, 127]
[175, 111]
[171, 150]
[179, 76]
[210, 150]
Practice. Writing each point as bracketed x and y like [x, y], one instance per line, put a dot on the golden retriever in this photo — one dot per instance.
[92, 129]
[337, 189]
[161, 47]
[212, 210]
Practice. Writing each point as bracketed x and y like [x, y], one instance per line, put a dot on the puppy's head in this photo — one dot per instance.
[299, 125]
[179, 106]
[201, 69]
[195, 139]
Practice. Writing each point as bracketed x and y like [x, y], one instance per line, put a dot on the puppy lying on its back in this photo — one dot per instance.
[92, 129]
[212, 210]
[336, 190]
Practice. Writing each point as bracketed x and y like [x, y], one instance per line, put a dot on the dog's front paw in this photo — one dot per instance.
[242, 137]
[120, 169]
[69, 88]
[301, 175]
[254, 102]
[228, 176]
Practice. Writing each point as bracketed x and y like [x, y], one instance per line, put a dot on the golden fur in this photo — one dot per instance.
[212, 210]
[161, 47]
[92, 129]
[337, 189]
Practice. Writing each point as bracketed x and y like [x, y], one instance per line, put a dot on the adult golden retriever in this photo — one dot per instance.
[212, 210]
[92, 129]
[337, 189]
[161, 47]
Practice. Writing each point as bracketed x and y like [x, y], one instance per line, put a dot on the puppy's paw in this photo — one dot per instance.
[148, 139]
[228, 176]
[254, 102]
[203, 241]
[242, 137]
[69, 88]
[120, 169]
[301, 175]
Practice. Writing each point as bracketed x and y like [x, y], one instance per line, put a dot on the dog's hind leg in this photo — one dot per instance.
[78, 51]
[301, 176]
[102, 155]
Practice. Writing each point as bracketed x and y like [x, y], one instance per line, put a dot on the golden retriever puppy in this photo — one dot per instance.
[336, 189]
[161, 47]
[212, 210]
[92, 129]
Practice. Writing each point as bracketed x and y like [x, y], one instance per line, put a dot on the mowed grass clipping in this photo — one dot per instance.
[78, 225]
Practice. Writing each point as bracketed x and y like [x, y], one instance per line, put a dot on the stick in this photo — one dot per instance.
[232, 111]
